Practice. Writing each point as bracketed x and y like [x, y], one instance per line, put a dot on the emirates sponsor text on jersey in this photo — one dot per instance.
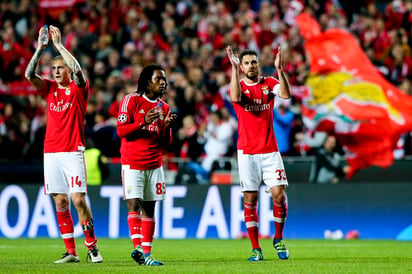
[255, 108]
[61, 106]
[152, 128]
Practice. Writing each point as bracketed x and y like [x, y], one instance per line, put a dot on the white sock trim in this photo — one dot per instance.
[68, 235]
[136, 236]
[280, 220]
[251, 224]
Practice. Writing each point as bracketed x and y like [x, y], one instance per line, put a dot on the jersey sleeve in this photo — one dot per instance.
[81, 91]
[274, 85]
[275, 89]
[243, 99]
[126, 123]
[47, 87]
[85, 90]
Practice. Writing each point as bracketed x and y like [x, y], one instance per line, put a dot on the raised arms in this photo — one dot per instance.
[71, 62]
[234, 81]
[35, 79]
[284, 91]
[30, 72]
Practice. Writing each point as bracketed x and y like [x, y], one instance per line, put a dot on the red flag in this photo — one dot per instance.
[55, 7]
[348, 96]
[56, 4]
[53, 4]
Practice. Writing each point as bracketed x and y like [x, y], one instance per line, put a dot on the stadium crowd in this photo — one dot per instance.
[114, 40]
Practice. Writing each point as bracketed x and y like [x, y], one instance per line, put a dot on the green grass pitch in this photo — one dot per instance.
[212, 256]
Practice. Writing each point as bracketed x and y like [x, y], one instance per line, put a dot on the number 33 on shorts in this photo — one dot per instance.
[280, 174]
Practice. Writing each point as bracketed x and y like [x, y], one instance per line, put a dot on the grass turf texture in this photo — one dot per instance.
[212, 256]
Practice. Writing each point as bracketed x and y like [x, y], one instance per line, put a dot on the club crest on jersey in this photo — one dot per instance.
[67, 91]
[122, 118]
[265, 90]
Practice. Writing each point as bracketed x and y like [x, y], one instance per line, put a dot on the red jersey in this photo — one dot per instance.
[255, 116]
[141, 143]
[66, 111]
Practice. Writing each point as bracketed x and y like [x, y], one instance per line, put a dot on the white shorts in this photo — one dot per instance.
[255, 168]
[148, 185]
[64, 172]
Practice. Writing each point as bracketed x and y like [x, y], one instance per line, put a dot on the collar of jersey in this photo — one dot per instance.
[252, 84]
[64, 88]
[150, 100]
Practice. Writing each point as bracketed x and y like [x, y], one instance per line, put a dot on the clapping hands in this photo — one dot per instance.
[234, 58]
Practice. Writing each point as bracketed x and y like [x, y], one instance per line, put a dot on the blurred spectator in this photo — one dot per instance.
[105, 135]
[399, 65]
[394, 12]
[282, 123]
[296, 136]
[408, 143]
[267, 58]
[379, 65]
[190, 147]
[96, 164]
[327, 166]
[307, 142]
[228, 118]
[188, 138]
[36, 112]
[406, 86]
[15, 132]
[219, 137]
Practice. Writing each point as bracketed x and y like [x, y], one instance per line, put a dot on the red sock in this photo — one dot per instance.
[252, 220]
[88, 230]
[134, 221]
[279, 212]
[148, 227]
[64, 219]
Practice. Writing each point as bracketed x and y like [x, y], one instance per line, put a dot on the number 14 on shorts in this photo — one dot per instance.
[76, 181]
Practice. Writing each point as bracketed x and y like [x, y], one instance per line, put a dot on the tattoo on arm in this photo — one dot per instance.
[30, 72]
[72, 63]
[79, 78]
[73, 66]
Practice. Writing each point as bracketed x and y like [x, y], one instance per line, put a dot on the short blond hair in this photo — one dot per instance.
[59, 58]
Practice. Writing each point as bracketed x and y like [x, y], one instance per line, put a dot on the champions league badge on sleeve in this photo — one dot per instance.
[122, 118]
